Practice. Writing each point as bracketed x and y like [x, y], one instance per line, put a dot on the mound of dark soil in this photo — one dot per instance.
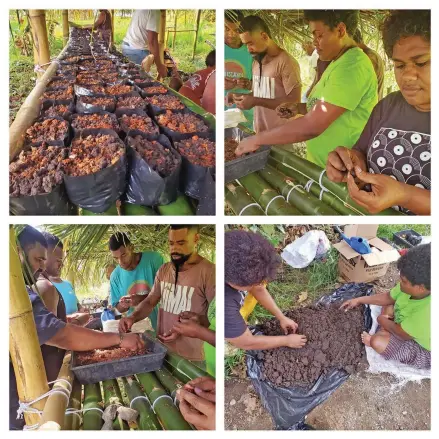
[334, 340]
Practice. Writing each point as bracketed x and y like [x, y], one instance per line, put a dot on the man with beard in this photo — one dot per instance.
[52, 287]
[276, 75]
[238, 62]
[132, 280]
[54, 334]
[184, 285]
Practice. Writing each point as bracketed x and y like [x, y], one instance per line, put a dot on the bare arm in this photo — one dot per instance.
[48, 294]
[99, 21]
[145, 308]
[417, 200]
[80, 319]
[248, 341]
[393, 328]
[77, 338]
[382, 299]
[261, 294]
[154, 47]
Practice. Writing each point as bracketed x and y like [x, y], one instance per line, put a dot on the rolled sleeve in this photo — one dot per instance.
[47, 323]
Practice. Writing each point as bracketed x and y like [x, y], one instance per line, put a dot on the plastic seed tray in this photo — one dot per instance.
[93, 373]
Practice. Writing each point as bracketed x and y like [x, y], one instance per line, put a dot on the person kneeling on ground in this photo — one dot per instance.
[250, 262]
[197, 403]
[404, 324]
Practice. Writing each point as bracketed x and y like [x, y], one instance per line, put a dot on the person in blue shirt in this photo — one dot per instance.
[238, 61]
[132, 280]
[50, 287]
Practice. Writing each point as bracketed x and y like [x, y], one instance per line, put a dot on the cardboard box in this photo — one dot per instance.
[355, 267]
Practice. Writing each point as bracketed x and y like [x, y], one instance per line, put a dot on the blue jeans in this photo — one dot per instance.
[134, 55]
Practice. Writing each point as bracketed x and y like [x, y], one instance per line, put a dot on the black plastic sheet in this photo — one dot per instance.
[49, 103]
[289, 406]
[83, 108]
[206, 206]
[98, 191]
[145, 186]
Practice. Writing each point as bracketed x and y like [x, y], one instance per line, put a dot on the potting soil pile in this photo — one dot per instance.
[333, 341]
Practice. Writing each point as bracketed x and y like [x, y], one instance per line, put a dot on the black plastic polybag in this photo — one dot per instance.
[289, 406]
[145, 186]
[53, 203]
[206, 206]
[84, 108]
[49, 103]
[98, 191]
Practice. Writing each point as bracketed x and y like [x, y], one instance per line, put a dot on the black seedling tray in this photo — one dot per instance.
[93, 373]
[243, 166]
[399, 237]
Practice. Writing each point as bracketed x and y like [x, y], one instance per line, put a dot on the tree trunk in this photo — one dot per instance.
[175, 29]
[39, 32]
[196, 32]
[65, 25]
[24, 346]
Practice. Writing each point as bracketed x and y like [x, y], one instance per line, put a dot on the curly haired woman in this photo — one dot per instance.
[250, 262]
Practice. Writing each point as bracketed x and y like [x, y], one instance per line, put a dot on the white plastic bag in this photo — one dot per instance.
[312, 245]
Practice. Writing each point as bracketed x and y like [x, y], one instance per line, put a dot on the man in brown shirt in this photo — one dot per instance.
[275, 75]
[186, 284]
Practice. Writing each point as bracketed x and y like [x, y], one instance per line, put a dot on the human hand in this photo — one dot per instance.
[244, 101]
[132, 341]
[136, 299]
[249, 144]
[197, 410]
[386, 192]
[169, 336]
[204, 387]
[244, 83]
[383, 320]
[287, 110]
[188, 328]
[287, 324]
[125, 324]
[350, 304]
[295, 341]
[342, 161]
[229, 83]
[189, 315]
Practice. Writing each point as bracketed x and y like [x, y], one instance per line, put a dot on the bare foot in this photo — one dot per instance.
[365, 338]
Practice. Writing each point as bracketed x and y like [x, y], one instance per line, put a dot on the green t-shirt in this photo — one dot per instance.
[413, 315]
[349, 82]
[238, 64]
[209, 350]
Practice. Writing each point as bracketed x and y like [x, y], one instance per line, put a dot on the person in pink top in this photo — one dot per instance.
[275, 75]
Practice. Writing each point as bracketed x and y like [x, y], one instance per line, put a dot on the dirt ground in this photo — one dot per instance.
[364, 402]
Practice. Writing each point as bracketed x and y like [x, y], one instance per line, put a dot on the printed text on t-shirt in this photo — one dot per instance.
[264, 87]
[176, 303]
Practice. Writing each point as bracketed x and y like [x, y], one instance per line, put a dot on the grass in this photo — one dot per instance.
[233, 360]
[387, 230]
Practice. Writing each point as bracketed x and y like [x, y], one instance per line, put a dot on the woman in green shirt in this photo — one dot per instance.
[341, 102]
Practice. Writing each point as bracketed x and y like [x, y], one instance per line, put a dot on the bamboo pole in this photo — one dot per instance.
[168, 381]
[29, 111]
[196, 32]
[65, 26]
[56, 404]
[147, 419]
[112, 13]
[73, 421]
[93, 406]
[240, 201]
[167, 412]
[162, 32]
[112, 395]
[266, 196]
[41, 42]
[24, 346]
[185, 366]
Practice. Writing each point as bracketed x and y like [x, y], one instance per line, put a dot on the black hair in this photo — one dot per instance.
[184, 226]
[118, 240]
[333, 17]
[210, 59]
[404, 24]
[233, 15]
[52, 241]
[253, 23]
[30, 236]
[415, 265]
[357, 36]
[249, 259]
